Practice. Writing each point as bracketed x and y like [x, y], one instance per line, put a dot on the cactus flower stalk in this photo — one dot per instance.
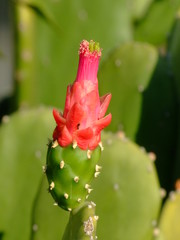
[83, 117]
[76, 147]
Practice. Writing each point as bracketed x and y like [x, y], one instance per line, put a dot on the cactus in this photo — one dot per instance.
[130, 189]
[73, 155]
[82, 223]
[145, 105]
[169, 229]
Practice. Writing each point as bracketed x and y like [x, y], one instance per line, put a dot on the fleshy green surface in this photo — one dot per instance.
[139, 8]
[50, 220]
[70, 180]
[22, 154]
[127, 193]
[126, 73]
[170, 218]
[82, 223]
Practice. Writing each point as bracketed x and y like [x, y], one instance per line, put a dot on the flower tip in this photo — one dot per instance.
[90, 48]
[94, 46]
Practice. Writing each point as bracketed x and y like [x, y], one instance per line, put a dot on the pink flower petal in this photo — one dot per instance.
[74, 117]
[56, 133]
[65, 137]
[88, 63]
[90, 101]
[86, 133]
[102, 123]
[68, 101]
[58, 117]
[77, 92]
[95, 141]
[83, 137]
[105, 100]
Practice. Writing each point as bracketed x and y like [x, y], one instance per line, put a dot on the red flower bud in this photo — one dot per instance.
[83, 117]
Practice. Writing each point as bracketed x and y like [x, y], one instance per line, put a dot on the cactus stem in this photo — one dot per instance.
[79, 200]
[74, 145]
[101, 146]
[89, 226]
[87, 186]
[96, 174]
[89, 153]
[44, 168]
[76, 179]
[66, 196]
[61, 165]
[55, 144]
[55, 204]
[51, 186]
[89, 190]
[98, 168]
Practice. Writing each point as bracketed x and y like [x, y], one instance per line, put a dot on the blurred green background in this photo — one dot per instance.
[39, 41]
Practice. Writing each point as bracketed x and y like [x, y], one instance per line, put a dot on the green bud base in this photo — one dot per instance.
[69, 172]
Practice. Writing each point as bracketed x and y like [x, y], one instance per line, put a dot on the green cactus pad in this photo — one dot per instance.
[69, 172]
[48, 220]
[127, 193]
[170, 217]
[22, 154]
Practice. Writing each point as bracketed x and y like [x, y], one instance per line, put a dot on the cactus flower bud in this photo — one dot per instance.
[83, 116]
[70, 169]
